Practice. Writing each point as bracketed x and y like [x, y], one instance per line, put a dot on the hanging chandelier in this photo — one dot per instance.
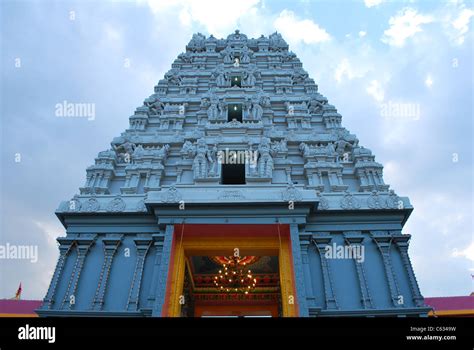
[234, 277]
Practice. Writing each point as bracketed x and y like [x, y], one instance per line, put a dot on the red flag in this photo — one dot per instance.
[18, 293]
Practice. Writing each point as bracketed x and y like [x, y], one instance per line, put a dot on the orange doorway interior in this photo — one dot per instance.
[194, 245]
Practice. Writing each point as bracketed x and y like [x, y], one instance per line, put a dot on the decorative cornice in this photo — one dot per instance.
[116, 205]
[349, 201]
[291, 194]
[172, 195]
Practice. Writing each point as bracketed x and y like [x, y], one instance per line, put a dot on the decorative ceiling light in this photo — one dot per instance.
[248, 259]
[235, 277]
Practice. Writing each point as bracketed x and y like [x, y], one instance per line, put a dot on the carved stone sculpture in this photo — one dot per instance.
[265, 161]
[204, 161]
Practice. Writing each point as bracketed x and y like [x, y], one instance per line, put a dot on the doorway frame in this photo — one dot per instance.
[221, 239]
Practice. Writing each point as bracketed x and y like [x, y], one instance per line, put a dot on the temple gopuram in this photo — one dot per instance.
[235, 192]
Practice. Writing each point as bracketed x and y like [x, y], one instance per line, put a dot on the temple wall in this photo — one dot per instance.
[337, 286]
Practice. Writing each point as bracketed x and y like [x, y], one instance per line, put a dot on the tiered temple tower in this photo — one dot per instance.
[235, 151]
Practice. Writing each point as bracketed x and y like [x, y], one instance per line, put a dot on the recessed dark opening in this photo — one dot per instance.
[236, 80]
[233, 174]
[234, 112]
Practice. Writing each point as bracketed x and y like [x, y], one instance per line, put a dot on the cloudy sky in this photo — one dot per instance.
[368, 58]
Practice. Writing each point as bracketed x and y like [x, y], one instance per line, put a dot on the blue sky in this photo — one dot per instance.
[364, 55]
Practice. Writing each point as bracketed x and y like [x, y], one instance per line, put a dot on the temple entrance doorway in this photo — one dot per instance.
[231, 271]
[231, 286]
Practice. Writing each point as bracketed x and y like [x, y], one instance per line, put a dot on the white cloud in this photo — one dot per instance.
[392, 170]
[218, 17]
[346, 70]
[185, 17]
[461, 24]
[404, 25]
[296, 30]
[51, 230]
[376, 91]
[111, 33]
[455, 18]
[467, 253]
[429, 81]
[112, 36]
[362, 33]
[341, 69]
[371, 3]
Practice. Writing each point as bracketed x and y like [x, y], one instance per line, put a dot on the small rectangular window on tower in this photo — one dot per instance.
[234, 112]
[236, 80]
[233, 174]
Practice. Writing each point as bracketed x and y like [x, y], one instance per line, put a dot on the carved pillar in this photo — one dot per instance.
[83, 245]
[179, 173]
[321, 242]
[127, 181]
[134, 180]
[377, 177]
[362, 177]
[355, 240]
[380, 183]
[107, 177]
[315, 179]
[110, 244]
[147, 179]
[142, 245]
[65, 246]
[158, 242]
[298, 270]
[312, 179]
[314, 175]
[401, 241]
[339, 178]
[100, 179]
[304, 245]
[159, 307]
[288, 175]
[89, 177]
[333, 179]
[384, 241]
[372, 177]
